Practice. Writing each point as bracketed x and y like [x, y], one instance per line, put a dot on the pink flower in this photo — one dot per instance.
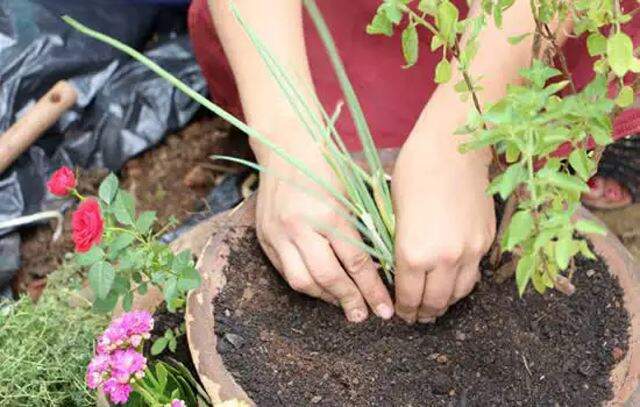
[117, 392]
[61, 182]
[177, 403]
[137, 323]
[96, 370]
[127, 363]
[87, 225]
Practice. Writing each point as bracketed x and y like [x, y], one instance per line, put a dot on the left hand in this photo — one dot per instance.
[445, 221]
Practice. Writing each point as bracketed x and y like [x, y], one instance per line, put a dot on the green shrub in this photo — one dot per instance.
[45, 346]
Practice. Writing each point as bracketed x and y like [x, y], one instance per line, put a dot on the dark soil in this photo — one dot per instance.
[171, 179]
[491, 349]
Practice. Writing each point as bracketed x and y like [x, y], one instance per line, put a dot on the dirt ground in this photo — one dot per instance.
[171, 179]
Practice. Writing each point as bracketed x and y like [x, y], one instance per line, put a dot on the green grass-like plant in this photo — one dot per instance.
[45, 346]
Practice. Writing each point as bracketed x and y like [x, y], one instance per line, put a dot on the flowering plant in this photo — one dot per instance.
[120, 371]
[120, 248]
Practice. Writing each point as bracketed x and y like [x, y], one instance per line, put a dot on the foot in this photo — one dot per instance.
[606, 193]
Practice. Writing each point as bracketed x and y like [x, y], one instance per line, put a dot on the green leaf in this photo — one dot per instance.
[127, 301]
[539, 73]
[189, 279]
[145, 221]
[443, 71]
[626, 96]
[524, 270]
[124, 208]
[564, 250]
[505, 183]
[101, 276]
[162, 373]
[517, 38]
[173, 343]
[121, 242]
[108, 188]
[158, 346]
[410, 45]
[596, 44]
[142, 288]
[565, 181]
[92, 256]
[105, 305]
[436, 42]
[520, 228]
[620, 53]
[587, 226]
[380, 25]
[580, 163]
[446, 21]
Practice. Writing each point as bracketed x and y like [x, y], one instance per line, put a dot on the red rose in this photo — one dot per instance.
[62, 181]
[87, 225]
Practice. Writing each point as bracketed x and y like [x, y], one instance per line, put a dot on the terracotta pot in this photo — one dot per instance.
[221, 386]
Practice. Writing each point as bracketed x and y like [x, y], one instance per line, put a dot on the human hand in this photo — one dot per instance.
[445, 222]
[293, 228]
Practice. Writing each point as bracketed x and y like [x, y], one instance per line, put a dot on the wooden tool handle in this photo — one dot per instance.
[35, 122]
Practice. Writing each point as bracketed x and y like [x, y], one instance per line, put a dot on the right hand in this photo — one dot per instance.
[293, 228]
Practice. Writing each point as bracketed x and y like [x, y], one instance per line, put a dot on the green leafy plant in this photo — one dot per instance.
[45, 346]
[130, 257]
[530, 124]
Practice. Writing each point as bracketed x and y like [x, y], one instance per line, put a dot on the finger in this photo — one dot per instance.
[410, 283]
[364, 273]
[297, 275]
[326, 270]
[465, 282]
[438, 290]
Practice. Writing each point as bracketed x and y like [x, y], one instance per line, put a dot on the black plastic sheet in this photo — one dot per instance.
[123, 108]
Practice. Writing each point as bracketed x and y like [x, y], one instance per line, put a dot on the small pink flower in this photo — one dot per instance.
[126, 363]
[137, 323]
[96, 370]
[117, 392]
[177, 403]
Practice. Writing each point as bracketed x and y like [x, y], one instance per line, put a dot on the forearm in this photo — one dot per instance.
[278, 24]
[496, 65]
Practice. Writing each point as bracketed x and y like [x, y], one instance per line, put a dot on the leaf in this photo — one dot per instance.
[380, 25]
[519, 229]
[516, 39]
[101, 276]
[505, 183]
[580, 163]
[145, 221]
[108, 188]
[159, 345]
[122, 241]
[105, 305]
[410, 45]
[539, 73]
[189, 279]
[563, 251]
[124, 208]
[436, 42]
[565, 181]
[524, 269]
[443, 71]
[620, 53]
[596, 44]
[142, 288]
[173, 343]
[127, 301]
[87, 259]
[626, 96]
[587, 226]
[446, 21]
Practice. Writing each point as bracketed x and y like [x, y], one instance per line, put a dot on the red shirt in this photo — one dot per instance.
[391, 97]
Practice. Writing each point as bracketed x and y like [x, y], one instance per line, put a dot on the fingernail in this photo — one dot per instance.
[384, 311]
[426, 320]
[356, 315]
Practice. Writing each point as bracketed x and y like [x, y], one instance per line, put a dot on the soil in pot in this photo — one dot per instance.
[490, 349]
